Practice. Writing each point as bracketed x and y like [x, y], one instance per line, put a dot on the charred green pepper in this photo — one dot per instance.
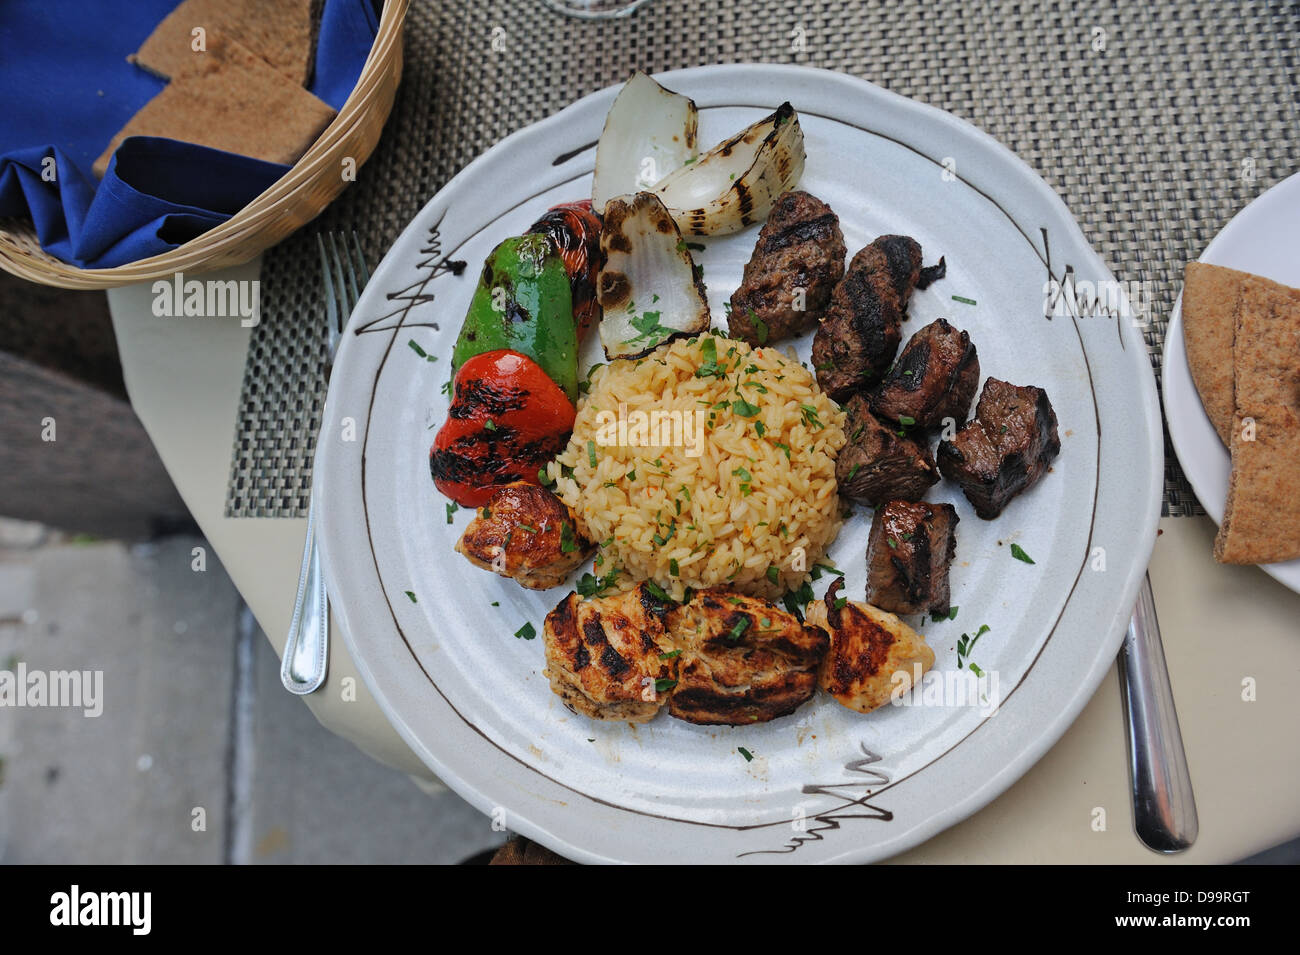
[524, 303]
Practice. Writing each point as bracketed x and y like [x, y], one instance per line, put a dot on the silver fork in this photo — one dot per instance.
[306, 652]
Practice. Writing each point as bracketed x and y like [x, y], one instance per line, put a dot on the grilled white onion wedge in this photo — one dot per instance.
[649, 132]
[736, 182]
[648, 288]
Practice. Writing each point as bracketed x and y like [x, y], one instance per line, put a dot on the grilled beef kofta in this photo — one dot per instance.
[877, 464]
[857, 338]
[1004, 449]
[909, 551]
[934, 378]
[788, 280]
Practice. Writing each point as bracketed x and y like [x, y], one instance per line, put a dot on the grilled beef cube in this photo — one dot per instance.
[934, 378]
[743, 660]
[1004, 449]
[877, 464]
[909, 550]
[799, 248]
[857, 338]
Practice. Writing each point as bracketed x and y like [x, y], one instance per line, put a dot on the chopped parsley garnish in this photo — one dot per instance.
[446, 387]
[452, 508]
[709, 367]
[496, 603]
[810, 416]
[785, 448]
[568, 543]
[760, 326]
[670, 654]
[490, 424]
[591, 453]
[631, 475]
[906, 420]
[964, 301]
[591, 586]
[749, 757]
[973, 667]
[649, 330]
[773, 573]
[421, 352]
[411, 595]
[738, 628]
[663, 685]
[743, 408]
[1018, 553]
[828, 568]
[658, 592]
[526, 632]
[841, 602]
[967, 643]
[852, 471]
[544, 479]
[673, 567]
[759, 428]
[950, 615]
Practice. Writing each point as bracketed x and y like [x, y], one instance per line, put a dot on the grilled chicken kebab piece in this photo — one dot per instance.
[743, 660]
[859, 335]
[867, 647]
[720, 658]
[934, 378]
[610, 658]
[877, 463]
[1004, 449]
[909, 550]
[788, 280]
[527, 533]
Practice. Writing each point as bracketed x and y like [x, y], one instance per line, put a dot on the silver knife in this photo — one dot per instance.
[1164, 807]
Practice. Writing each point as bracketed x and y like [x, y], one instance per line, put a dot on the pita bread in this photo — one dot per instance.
[282, 32]
[229, 98]
[1210, 296]
[1261, 521]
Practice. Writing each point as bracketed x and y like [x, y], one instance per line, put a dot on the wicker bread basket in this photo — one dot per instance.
[295, 199]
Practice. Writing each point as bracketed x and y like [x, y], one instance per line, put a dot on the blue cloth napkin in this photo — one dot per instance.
[65, 91]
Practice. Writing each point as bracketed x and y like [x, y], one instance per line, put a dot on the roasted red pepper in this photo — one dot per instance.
[507, 420]
[575, 230]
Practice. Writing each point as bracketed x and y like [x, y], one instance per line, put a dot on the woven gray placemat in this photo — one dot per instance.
[1155, 123]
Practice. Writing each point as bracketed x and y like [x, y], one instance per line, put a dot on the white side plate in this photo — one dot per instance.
[1263, 238]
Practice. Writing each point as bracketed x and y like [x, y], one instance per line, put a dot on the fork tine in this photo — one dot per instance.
[362, 269]
[331, 299]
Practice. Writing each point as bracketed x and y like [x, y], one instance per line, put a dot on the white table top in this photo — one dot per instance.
[1221, 625]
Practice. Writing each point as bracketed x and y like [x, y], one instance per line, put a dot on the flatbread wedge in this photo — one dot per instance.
[1261, 520]
[229, 98]
[281, 32]
[1210, 297]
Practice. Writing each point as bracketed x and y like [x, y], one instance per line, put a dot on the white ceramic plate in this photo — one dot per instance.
[1262, 238]
[825, 784]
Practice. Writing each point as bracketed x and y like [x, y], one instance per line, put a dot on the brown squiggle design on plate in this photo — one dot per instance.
[1078, 308]
[851, 803]
[432, 264]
